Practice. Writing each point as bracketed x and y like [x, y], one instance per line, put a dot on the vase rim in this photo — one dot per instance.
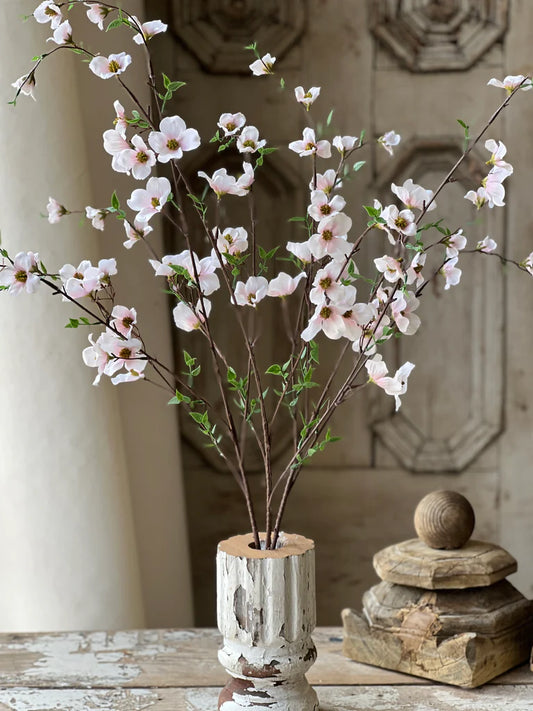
[292, 544]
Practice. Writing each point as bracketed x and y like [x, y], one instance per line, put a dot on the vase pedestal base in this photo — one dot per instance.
[268, 694]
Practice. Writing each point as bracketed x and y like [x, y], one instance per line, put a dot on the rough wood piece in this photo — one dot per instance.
[488, 611]
[266, 614]
[414, 563]
[444, 519]
[466, 660]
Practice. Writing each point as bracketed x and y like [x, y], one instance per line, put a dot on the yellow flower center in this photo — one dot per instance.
[114, 66]
[127, 321]
[310, 147]
[325, 312]
[21, 276]
[173, 144]
[249, 144]
[325, 283]
[155, 202]
[325, 209]
[142, 157]
[125, 353]
[230, 126]
[401, 223]
[327, 235]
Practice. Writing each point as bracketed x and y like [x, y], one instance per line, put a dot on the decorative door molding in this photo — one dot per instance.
[438, 35]
[216, 31]
[431, 432]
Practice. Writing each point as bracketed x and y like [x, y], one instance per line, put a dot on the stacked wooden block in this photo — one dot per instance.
[444, 609]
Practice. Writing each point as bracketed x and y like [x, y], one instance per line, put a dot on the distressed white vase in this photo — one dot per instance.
[266, 613]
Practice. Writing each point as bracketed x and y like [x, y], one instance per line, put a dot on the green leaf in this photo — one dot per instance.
[179, 398]
[372, 211]
[115, 23]
[115, 202]
[282, 83]
[189, 360]
[266, 151]
[196, 371]
[274, 370]
[73, 323]
[330, 116]
[297, 219]
[357, 166]
[197, 417]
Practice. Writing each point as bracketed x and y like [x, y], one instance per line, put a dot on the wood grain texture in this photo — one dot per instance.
[332, 698]
[169, 658]
[466, 660]
[414, 563]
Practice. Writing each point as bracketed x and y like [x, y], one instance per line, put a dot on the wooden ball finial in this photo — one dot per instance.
[444, 519]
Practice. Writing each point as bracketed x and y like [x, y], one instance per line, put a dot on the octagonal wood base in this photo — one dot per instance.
[467, 660]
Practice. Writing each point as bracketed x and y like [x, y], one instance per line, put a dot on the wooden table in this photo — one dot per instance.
[177, 670]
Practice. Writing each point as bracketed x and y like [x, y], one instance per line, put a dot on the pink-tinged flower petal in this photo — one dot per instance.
[511, 82]
[55, 211]
[149, 30]
[62, 34]
[486, 245]
[284, 284]
[451, 273]
[389, 140]
[48, 11]
[97, 14]
[20, 276]
[263, 66]
[249, 141]
[107, 67]
[414, 196]
[150, 201]
[250, 293]
[135, 232]
[129, 376]
[26, 84]
[390, 268]
[306, 97]
[231, 123]
[173, 138]
[301, 250]
[189, 319]
[123, 319]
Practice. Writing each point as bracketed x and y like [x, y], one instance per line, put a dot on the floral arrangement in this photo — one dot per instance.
[330, 297]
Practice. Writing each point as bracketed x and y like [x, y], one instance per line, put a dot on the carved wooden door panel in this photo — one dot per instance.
[415, 66]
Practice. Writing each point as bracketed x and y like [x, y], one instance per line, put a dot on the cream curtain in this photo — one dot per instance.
[92, 521]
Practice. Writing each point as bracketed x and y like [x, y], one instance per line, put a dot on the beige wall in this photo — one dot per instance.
[92, 525]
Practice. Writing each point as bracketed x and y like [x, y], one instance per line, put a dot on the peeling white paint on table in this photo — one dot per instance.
[177, 670]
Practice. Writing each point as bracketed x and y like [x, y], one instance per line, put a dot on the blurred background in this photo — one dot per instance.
[110, 508]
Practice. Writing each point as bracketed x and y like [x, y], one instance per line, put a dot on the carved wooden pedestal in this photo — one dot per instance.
[266, 613]
[446, 615]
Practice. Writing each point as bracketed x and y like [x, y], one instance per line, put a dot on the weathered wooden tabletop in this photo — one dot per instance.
[177, 670]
